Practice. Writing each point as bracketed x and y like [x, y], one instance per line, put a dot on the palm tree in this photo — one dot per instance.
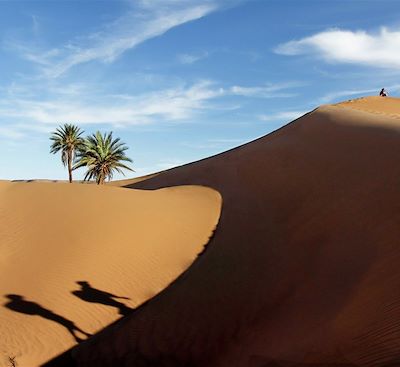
[67, 139]
[102, 155]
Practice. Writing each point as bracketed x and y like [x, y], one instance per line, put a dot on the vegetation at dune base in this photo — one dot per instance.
[102, 155]
[67, 140]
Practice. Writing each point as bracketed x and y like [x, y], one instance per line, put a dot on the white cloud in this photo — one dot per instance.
[172, 104]
[346, 93]
[40, 107]
[225, 141]
[379, 49]
[267, 91]
[144, 21]
[35, 24]
[161, 165]
[169, 163]
[214, 143]
[282, 116]
[11, 132]
[188, 59]
[333, 96]
[18, 131]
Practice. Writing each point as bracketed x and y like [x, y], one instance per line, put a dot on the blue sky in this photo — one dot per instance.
[180, 80]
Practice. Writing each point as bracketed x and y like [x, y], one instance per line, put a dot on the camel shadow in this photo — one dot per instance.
[17, 303]
[89, 294]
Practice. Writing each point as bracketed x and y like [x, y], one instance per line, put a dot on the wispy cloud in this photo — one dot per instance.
[79, 103]
[334, 96]
[172, 104]
[169, 163]
[142, 22]
[327, 98]
[188, 59]
[282, 116]
[225, 141]
[11, 132]
[214, 143]
[35, 24]
[378, 49]
[265, 91]
[160, 165]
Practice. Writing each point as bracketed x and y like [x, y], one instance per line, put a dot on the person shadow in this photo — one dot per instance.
[89, 294]
[17, 303]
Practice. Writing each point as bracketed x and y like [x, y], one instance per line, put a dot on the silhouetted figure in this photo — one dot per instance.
[383, 93]
[17, 303]
[89, 294]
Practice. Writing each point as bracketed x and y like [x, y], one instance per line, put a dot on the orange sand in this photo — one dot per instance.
[129, 243]
[387, 106]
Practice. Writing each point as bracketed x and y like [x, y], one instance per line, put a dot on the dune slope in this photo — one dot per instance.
[387, 106]
[304, 267]
[68, 253]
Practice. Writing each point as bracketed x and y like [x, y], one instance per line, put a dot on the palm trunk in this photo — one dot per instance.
[70, 166]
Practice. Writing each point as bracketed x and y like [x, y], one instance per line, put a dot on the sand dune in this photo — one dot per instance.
[304, 266]
[67, 250]
[387, 106]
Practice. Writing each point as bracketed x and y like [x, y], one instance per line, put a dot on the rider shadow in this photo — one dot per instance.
[17, 303]
[89, 294]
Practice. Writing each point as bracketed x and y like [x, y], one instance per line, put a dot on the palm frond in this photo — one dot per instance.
[102, 155]
[67, 139]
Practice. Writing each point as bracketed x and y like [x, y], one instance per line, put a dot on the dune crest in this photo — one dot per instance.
[75, 258]
[387, 106]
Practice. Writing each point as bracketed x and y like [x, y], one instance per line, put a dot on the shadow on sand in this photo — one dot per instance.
[89, 294]
[17, 303]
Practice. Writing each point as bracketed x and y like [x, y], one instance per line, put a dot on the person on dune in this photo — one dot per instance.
[383, 93]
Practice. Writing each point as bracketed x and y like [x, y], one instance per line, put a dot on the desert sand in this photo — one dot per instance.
[387, 106]
[303, 268]
[69, 252]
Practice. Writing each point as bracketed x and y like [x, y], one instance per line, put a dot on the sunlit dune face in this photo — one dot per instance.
[74, 258]
[387, 106]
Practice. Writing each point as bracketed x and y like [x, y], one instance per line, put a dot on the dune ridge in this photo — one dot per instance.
[303, 269]
[69, 252]
[387, 106]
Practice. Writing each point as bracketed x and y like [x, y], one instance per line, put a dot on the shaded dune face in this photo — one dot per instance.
[75, 258]
[303, 268]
